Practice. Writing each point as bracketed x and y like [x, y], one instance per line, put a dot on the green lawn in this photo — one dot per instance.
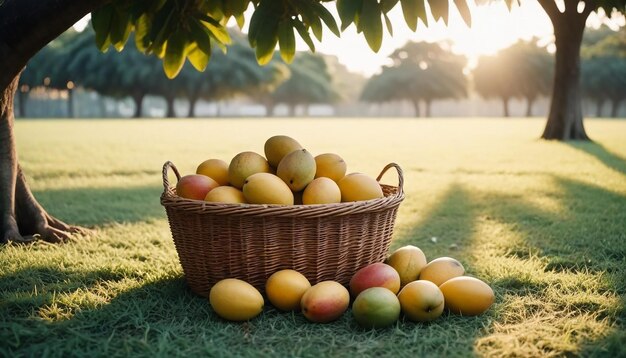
[544, 223]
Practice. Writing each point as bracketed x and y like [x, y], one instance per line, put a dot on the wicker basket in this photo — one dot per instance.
[250, 242]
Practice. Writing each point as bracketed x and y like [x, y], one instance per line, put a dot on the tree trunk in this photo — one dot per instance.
[138, 99]
[529, 106]
[416, 107]
[505, 106]
[23, 98]
[615, 102]
[70, 103]
[428, 104]
[599, 105]
[169, 102]
[291, 110]
[192, 106]
[565, 120]
[26, 26]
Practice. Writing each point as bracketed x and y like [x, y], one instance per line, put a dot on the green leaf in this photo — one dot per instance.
[461, 5]
[142, 29]
[347, 10]
[328, 18]
[241, 20]
[412, 10]
[199, 59]
[174, 54]
[200, 35]
[266, 41]
[439, 9]
[286, 41]
[371, 24]
[304, 33]
[121, 27]
[387, 5]
[218, 30]
[101, 22]
[388, 24]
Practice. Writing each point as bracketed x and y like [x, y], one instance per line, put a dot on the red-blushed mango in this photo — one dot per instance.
[409, 262]
[235, 300]
[215, 169]
[441, 270]
[195, 186]
[225, 194]
[285, 289]
[359, 187]
[278, 146]
[331, 166]
[467, 296]
[376, 307]
[245, 164]
[375, 275]
[325, 302]
[421, 301]
[321, 191]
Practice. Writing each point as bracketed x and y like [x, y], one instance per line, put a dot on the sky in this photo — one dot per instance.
[493, 27]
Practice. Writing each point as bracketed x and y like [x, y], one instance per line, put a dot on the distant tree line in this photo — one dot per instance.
[420, 73]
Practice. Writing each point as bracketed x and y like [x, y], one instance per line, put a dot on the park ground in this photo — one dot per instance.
[544, 223]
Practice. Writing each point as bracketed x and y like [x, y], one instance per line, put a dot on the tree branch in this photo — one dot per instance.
[26, 26]
[549, 6]
[571, 6]
[590, 6]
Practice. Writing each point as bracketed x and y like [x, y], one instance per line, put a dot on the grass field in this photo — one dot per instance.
[544, 223]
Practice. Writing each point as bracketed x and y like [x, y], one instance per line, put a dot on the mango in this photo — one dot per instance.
[277, 147]
[225, 194]
[266, 188]
[321, 191]
[358, 187]
[441, 270]
[467, 296]
[195, 186]
[325, 302]
[235, 300]
[297, 169]
[331, 166]
[376, 307]
[421, 301]
[215, 169]
[285, 289]
[245, 164]
[375, 275]
[408, 261]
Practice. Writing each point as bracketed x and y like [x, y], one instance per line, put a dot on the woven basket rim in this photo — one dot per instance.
[394, 195]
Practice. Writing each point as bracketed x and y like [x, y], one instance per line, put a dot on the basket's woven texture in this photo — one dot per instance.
[251, 242]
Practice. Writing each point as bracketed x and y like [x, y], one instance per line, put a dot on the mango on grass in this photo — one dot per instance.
[467, 296]
[235, 300]
[375, 275]
[421, 301]
[441, 270]
[408, 261]
[285, 289]
[325, 302]
[376, 307]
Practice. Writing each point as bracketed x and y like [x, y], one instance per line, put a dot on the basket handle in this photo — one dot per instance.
[400, 176]
[166, 181]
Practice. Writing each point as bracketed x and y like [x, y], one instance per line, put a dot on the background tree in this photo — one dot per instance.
[421, 72]
[522, 70]
[604, 71]
[310, 82]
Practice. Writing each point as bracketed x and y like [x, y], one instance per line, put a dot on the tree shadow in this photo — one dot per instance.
[99, 206]
[597, 150]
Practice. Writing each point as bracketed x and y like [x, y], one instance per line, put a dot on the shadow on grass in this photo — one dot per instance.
[99, 206]
[598, 151]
